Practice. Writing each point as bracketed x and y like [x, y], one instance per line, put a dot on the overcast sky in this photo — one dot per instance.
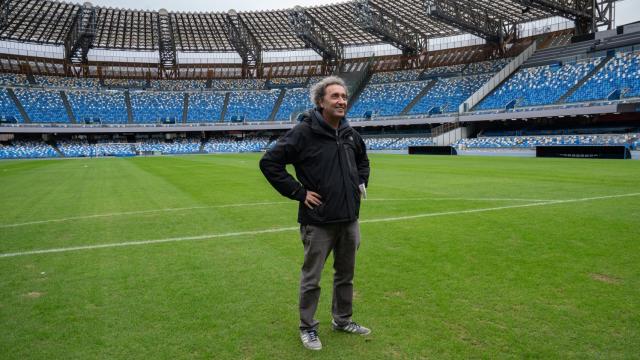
[626, 10]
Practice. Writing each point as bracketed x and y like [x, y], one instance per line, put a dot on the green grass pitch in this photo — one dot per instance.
[461, 257]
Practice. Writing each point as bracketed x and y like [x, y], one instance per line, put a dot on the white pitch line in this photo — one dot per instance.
[292, 228]
[147, 242]
[150, 211]
[459, 199]
[137, 212]
[457, 212]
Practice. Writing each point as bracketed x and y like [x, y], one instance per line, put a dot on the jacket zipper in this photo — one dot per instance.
[343, 154]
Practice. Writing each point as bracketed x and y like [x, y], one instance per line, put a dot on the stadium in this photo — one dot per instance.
[502, 219]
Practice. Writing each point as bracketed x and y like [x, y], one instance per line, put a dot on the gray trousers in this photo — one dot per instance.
[319, 241]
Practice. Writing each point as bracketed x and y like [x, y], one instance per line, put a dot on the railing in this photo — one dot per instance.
[444, 128]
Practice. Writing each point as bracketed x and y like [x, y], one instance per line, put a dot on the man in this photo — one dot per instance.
[332, 171]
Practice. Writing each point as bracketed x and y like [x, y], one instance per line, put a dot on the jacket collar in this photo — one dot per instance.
[320, 125]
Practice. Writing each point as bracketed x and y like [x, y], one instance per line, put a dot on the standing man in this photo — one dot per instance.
[332, 171]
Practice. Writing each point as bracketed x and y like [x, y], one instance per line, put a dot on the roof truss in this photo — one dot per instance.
[49, 22]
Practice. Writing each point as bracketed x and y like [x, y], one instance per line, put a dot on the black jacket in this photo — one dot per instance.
[331, 162]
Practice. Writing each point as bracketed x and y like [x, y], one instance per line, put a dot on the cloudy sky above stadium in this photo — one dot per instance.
[627, 11]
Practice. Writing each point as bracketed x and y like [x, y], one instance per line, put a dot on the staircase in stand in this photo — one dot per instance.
[579, 84]
[418, 97]
[56, 149]
[276, 106]
[185, 108]
[67, 107]
[224, 106]
[127, 101]
[18, 104]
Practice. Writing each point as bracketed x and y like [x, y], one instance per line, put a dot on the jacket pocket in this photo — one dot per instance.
[318, 212]
[350, 155]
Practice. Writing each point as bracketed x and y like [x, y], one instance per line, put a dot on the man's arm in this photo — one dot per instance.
[274, 162]
[362, 162]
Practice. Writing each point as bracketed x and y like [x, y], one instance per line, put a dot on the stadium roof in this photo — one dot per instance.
[49, 22]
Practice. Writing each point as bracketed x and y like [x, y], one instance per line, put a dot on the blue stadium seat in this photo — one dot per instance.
[67, 82]
[251, 105]
[8, 109]
[205, 106]
[108, 107]
[178, 85]
[177, 146]
[13, 79]
[82, 148]
[386, 99]
[396, 143]
[294, 100]
[531, 141]
[42, 106]
[235, 145]
[541, 85]
[621, 73]
[152, 106]
[448, 93]
[27, 150]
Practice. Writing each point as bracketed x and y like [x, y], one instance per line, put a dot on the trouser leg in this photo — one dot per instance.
[318, 241]
[344, 254]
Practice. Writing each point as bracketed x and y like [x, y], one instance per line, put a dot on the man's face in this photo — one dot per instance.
[334, 102]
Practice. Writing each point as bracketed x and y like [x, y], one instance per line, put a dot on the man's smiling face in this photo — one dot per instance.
[334, 103]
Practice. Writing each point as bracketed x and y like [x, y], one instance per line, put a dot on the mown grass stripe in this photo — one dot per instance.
[292, 228]
[138, 212]
[151, 211]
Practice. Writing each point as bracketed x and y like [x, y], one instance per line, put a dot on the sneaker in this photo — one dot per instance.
[310, 339]
[351, 328]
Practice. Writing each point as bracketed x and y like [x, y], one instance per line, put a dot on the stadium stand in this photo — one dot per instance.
[291, 82]
[235, 145]
[443, 71]
[105, 107]
[205, 106]
[178, 146]
[66, 82]
[82, 148]
[125, 83]
[294, 100]
[178, 85]
[448, 93]
[157, 107]
[43, 106]
[394, 76]
[533, 141]
[8, 110]
[396, 143]
[622, 74]
[541, 85]
[314, 80]
[489, 66]
[13, 79]
[380, 143]
[635, 141]
[251, 105]
[26, 150]
[386, 99]
[405, 142]
[237, 84]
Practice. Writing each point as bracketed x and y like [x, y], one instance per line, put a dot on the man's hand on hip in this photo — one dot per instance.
[312, 200]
